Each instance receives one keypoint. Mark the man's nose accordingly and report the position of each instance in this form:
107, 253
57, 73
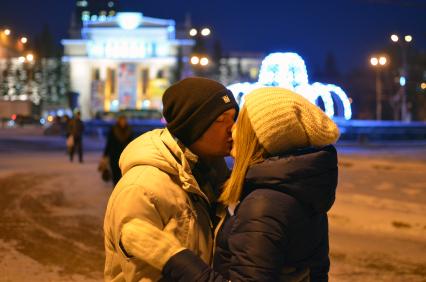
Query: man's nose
231, 126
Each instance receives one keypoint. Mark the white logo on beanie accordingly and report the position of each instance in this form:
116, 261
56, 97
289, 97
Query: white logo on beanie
226, 99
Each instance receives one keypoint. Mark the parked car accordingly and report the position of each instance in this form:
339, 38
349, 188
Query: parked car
21, 120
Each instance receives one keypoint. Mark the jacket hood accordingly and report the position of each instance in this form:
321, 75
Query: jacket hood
147, 150
309, 175
159, 149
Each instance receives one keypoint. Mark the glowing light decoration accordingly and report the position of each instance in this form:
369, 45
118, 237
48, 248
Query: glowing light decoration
129, 20
288, 70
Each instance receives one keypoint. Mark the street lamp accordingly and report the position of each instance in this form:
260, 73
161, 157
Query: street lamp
378, 63
403, 72
203, 61
195, 60
7, 32
24, 40
205, 31
199, 59
30, 57
193, 32
408, 38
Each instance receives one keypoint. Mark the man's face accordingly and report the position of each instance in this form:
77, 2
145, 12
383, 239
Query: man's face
216, 140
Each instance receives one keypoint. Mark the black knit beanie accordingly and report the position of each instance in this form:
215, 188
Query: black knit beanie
191, 105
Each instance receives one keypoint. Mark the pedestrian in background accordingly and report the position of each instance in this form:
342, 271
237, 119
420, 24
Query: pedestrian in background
119, 136
76, 131
281, 187
66, 131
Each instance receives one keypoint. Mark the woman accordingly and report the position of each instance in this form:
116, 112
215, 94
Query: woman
118, 137
282, 185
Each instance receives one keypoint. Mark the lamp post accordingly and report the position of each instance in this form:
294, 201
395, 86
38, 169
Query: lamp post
378, 63
403, 72
199, 59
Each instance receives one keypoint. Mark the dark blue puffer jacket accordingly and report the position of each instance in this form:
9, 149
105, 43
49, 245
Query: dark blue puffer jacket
279, 227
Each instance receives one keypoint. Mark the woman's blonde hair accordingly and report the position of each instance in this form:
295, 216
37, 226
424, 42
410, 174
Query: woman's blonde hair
248, 152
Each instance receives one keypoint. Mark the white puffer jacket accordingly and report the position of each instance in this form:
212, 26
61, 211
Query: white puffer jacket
150, 214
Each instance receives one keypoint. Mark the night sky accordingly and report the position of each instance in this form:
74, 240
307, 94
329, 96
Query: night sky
350, 29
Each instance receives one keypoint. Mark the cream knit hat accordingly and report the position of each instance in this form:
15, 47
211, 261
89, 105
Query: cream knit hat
284, 120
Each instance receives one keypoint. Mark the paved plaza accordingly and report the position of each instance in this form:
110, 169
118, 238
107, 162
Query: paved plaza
52, 211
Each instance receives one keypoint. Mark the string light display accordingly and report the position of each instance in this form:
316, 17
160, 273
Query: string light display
288, 70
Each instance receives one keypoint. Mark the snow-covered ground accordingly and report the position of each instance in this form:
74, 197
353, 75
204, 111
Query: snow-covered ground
52, 211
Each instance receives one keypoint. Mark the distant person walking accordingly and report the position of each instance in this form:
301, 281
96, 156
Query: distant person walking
119, 136
66, 131
76, 131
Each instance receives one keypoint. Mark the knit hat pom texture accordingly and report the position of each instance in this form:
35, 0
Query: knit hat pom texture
191, 105
284, 120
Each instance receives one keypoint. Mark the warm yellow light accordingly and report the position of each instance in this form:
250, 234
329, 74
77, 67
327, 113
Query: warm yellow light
374, 61
408, 38
382, 61
423, 85
193, 32
195, 60
50, 118
205, 31
394, 38
30, 57
24, 40
7, 31
204, 61
21, 59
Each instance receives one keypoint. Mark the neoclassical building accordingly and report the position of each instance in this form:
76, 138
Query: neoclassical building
124, 61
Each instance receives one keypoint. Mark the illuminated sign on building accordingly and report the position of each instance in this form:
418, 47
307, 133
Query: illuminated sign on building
129, 20
127, 48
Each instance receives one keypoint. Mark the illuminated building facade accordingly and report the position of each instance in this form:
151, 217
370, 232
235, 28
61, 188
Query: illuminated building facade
123, 61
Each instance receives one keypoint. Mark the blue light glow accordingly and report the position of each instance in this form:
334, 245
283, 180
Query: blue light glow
288, 70
129, 20
402, 81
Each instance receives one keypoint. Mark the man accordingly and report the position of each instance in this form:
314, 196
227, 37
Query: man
76, 131
165, 198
